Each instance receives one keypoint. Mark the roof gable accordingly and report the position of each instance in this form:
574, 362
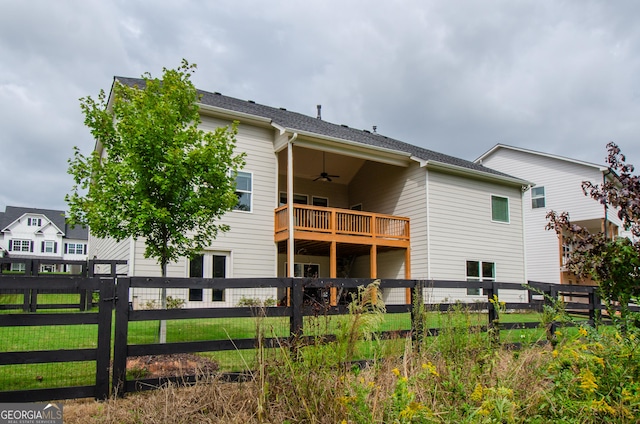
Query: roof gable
499, 147
56, 218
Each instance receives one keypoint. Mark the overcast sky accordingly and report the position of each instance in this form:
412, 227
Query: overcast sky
457, 77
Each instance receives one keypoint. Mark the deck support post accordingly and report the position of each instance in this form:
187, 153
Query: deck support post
333, 272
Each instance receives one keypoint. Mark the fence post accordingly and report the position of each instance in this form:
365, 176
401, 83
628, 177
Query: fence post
105, 308
553, 298
297, 317
594, 307
417, 309
492, 314
120, 341
33, 300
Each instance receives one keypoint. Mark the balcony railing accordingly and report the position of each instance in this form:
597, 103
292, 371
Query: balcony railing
343, 222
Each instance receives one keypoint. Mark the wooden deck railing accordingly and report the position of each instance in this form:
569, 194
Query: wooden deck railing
343, 222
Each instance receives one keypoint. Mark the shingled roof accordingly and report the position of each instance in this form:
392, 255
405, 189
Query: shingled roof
57, 217
299, 122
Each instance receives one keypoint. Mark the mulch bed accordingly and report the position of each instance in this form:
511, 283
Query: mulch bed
176, 365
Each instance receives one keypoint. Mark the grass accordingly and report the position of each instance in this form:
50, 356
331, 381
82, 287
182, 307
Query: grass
16, 339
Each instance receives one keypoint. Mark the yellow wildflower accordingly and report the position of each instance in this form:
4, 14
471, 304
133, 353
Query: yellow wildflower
555, 353
476, 395
558, 333
430, 368
582, 331
588, 381
599, 360
396, 372
602, 406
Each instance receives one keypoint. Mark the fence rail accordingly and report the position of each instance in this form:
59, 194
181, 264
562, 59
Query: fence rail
110, 354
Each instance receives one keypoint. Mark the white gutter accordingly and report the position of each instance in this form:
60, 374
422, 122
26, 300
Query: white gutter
231, 114
480, 174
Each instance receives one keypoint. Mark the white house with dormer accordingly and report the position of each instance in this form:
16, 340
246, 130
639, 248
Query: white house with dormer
29, 233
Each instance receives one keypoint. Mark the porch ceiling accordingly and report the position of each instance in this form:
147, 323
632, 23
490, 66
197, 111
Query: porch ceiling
307, 164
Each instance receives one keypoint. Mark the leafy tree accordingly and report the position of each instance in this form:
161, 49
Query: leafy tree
154, 172
614, 263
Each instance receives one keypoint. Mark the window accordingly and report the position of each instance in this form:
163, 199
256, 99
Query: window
196, 270
537, 197
34, 222
304, 270
480, 271
244, 191
320, 201
207, 266
20, 246
75, 248
500, 209
49, 246
18, 267
301, 199
357, 207
47, 268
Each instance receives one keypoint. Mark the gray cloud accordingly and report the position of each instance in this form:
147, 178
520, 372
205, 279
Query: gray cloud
455, 76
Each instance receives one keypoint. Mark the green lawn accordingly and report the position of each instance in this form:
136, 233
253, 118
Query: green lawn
16, 339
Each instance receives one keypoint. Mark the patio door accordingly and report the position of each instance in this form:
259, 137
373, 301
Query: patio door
208, 265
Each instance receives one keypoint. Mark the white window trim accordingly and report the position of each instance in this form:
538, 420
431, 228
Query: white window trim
251, 192
544, 197
480, 278
508, 221
208, 270
53, 246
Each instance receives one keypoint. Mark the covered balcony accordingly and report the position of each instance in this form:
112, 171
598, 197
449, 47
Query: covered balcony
315, 223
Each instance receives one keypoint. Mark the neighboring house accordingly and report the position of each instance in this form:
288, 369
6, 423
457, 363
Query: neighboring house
326, 200
40, 234
558, 186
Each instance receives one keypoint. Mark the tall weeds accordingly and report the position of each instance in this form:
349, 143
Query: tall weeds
461, 376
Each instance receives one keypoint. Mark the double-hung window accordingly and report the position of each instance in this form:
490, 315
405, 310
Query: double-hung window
75, 248
537, 197
480, 271
244, 191
34, 222
20, 245
49, 246
499, 209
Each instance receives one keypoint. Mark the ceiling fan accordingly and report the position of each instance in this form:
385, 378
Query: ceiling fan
324, 176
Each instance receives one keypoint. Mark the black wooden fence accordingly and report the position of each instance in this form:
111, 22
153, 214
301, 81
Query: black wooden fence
115, 293
32, 267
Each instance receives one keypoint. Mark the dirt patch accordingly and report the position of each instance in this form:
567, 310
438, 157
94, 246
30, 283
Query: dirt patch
153, 366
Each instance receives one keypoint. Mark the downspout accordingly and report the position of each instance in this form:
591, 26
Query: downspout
290, 244
524, 234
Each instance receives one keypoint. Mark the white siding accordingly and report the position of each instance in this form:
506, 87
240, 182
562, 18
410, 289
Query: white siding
461, 229
397, 191
562, 181
108, 248
250, 239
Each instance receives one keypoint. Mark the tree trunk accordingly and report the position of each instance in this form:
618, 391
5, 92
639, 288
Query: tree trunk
162, 331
